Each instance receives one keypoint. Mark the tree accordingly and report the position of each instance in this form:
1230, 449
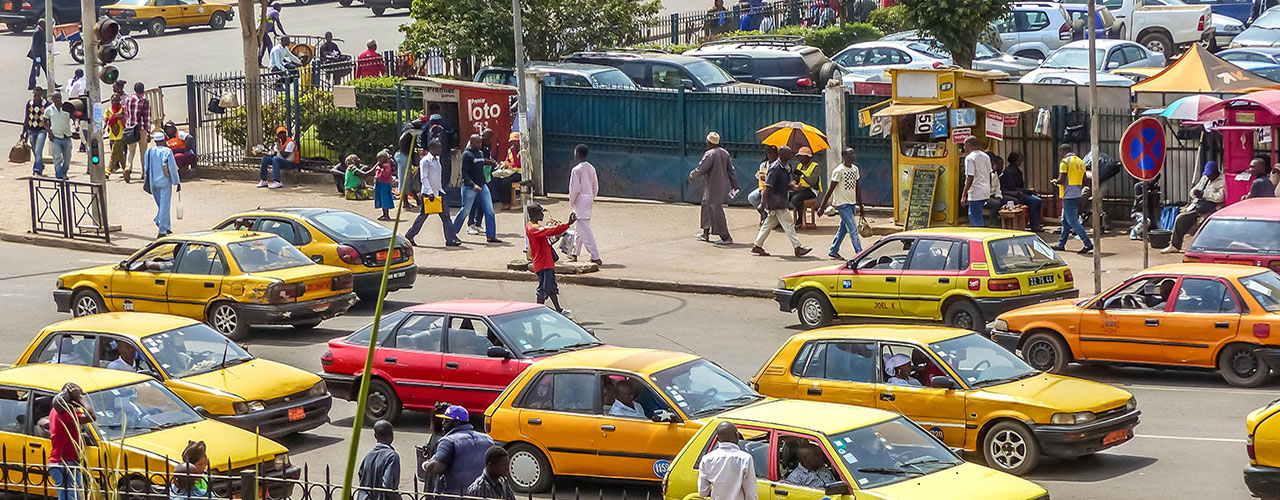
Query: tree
957, 25
463, 29
250, 37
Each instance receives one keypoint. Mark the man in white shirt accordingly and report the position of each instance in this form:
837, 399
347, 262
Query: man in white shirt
624, 403
1207, 195
126, 360
845, 197
727, 472
57, 123
430, 171
75, 85
284, 61
977, 180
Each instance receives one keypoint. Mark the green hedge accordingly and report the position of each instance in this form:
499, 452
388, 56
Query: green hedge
378, 92
362, 132
890, 19
233, 127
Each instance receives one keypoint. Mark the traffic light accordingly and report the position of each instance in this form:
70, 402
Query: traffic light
95, 152
108, 74
78, 107
106, 31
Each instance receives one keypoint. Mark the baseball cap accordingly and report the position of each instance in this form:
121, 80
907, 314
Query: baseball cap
282, 129
454, 412
158, 136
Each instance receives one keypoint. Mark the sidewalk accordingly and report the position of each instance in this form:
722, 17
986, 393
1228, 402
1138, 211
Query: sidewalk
644, 245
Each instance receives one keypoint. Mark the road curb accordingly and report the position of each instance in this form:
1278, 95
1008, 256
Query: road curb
56, 242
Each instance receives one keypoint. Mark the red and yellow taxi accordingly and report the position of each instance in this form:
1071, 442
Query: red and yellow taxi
156, 16
1245, 233
963, 276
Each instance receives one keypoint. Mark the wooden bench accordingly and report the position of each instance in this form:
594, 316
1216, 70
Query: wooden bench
809, 215
515, 197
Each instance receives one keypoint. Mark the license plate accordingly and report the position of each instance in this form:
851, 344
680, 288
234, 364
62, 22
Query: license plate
399, 274
1115, 437
1047, 279
297, 414
317, 285
382, 255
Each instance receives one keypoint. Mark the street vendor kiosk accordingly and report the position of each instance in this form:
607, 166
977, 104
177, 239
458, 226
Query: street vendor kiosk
930, 114
1249, 129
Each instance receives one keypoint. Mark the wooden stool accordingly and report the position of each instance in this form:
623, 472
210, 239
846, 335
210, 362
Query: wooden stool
808, 216
515, 197
1014, 218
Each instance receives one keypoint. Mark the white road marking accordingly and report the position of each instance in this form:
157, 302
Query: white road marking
1212, 390
1186, 438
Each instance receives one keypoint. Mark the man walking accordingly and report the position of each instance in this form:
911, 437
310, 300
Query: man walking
69, 412
719, 179
459, 458
33, 129
543, 257
727, 472
493, 483
845, 194
474, 190
977, 181
160, 170
137, 117
404, 153
777, 184
583, 188
380, 469
1206, 195
475, 219
438, 128
57, 123
1071, 173
269, 27
36, 55
429, 169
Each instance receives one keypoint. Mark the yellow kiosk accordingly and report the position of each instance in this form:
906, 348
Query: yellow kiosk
932, 112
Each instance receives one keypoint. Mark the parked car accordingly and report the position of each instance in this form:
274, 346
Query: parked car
1104, 22
1034, 29
1240, 10
379, 7
1225, 28
661, 70
461, 351
986, 57
1134, 74
1267, 55
1262, 445
1161, 28
1246, 233
781, 61
1077, 77
1264, 32
21, 15
561, 74
867, 61
156, 16
1111, 54
1188, 315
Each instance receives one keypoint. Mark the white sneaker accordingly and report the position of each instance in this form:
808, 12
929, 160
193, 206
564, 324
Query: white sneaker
262, 184
566, 313
472, 230
1170, 249
275, 185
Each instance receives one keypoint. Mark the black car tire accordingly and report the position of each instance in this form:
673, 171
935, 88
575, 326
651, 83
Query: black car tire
226, 319
814, 309
1241, 366
1046, 352
155, 26
378, 11
964, 313
87, 302
217, 21
1160, 40
526, 456
1011, 447
383, 403
18, 27
344, 3
825, 73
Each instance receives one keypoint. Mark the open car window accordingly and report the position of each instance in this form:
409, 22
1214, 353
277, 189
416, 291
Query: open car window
892, 255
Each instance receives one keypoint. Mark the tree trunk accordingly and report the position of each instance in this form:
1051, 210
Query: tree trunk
964, 57
250, 35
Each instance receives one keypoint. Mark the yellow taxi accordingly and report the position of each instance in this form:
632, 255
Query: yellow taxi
1262, 475
197, 363
963, 388
337, 238
963, 276
157, 15
804, 450
609, 412
230, 279
139, 426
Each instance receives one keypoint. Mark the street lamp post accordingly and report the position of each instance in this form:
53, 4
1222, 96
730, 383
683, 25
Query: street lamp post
1096, 198
522, 116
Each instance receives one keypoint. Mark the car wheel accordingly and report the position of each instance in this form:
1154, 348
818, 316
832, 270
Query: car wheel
964, 314
1010, 447
86, 303
1241, 366
530, 469
226, 319
383, 403
344, 3
217, 21
155, 26
17, 27
1046, 352
379, 11
1158, 43
826, 72
310, 325
814, 310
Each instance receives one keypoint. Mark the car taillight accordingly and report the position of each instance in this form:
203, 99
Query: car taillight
407, 251
1261, 330
348, 254
1200, 25
1248, 447
1191, 259
804, 82
937, 65
1274, 266
278, 293
343, 282
28, 6
1067, 276
1064, 32
488, 424
1003, 285
326, 359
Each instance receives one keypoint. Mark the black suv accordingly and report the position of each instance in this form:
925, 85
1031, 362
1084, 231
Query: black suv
657, 69
780, 61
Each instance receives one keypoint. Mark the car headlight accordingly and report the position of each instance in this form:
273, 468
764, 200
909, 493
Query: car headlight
58, 284
1000, 324
782, 284
1072, 418
318, 390
281, 461
1131, 405
243, 407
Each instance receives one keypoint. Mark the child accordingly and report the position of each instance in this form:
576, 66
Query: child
544, 258
353, 185
382, 197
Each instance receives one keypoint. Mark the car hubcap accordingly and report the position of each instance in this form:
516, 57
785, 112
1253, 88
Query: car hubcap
1156, 47
525, 469
964, 320
224, 319
1041, 355
1008, 449
1244, 363
377, 403
812, 311
86, 306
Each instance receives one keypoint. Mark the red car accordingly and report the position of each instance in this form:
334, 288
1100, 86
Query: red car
1245, 233
464, 352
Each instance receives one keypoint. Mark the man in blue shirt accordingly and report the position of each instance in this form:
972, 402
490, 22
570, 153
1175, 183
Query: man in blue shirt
160, 171
459, 458
380, 469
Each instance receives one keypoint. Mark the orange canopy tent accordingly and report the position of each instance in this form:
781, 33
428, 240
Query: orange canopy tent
1199, 71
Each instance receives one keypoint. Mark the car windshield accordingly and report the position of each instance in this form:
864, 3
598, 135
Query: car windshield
1229, 235
891, 452
137, 409
708, 73
349, 226
267, 254
1265, 288
192, 350
541, 331
1022, 253
985, 51
1075, 58
134, 3
700, 388
612, 78
1269, 19
979, 361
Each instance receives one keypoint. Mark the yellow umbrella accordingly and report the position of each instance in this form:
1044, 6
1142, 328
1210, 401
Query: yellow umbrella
794, 135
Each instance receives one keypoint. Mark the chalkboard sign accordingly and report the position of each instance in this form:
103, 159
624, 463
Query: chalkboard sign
920, 200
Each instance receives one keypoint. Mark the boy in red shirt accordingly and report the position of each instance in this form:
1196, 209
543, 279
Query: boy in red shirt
544, 258
70, 410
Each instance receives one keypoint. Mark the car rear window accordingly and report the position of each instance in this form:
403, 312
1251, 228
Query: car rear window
1265, 288
1021, 254
1238, 236
349, 226
613, 78
267, 254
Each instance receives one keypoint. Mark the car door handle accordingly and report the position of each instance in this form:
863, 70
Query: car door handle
159, 282
781, 493
890, 279
34, 445
814, 391
1222, 324
451, 366
887, 396
1153, 322
208, 284
390, 359
607, 427
944, 280
535, 421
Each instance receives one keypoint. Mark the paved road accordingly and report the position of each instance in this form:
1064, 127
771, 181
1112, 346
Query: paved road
1190, 443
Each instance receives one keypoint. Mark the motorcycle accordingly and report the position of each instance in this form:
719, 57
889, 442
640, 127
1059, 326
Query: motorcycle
125, 46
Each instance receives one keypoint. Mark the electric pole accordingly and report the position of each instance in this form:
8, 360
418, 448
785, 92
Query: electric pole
1096, 198
48, 47
92, 134
522, 116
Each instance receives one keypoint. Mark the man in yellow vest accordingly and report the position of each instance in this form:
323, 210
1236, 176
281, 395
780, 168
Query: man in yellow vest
806, 180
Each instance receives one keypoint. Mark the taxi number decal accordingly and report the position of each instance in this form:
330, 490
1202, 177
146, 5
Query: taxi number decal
882, 305
936, 431
846, 283
127, 305
661, 467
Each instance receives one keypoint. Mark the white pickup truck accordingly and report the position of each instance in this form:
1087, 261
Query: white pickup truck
1159, 27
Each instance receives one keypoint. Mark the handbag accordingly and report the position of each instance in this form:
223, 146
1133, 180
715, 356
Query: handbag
864, 227
430, 206
568, 241
146, 175
132, 134
178, 209
20, 152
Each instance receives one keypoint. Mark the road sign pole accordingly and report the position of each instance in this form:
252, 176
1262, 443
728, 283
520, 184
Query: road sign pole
1146, 226
1096, 198
1142, 151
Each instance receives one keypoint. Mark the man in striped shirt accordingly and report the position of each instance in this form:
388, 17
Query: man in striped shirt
137, 113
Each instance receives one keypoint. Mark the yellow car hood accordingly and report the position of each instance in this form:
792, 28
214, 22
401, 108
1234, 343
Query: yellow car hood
256, 379
963, 482
1059, 393
225, 442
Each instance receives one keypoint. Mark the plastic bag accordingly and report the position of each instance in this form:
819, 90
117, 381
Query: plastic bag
178, 209
568, 242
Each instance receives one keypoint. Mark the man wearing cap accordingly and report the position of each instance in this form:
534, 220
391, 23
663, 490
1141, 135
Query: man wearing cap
808, 181
1207, 195
286, 156
719, 179
459, 458
160, 171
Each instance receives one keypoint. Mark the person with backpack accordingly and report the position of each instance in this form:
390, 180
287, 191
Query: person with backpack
404, 154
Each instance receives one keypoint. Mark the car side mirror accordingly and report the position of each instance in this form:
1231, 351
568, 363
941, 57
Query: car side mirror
687, 83
851, 265
942, 382
203, 412
1113, 64
836, 488
665, 416
497, 351
150, 373
124, 264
